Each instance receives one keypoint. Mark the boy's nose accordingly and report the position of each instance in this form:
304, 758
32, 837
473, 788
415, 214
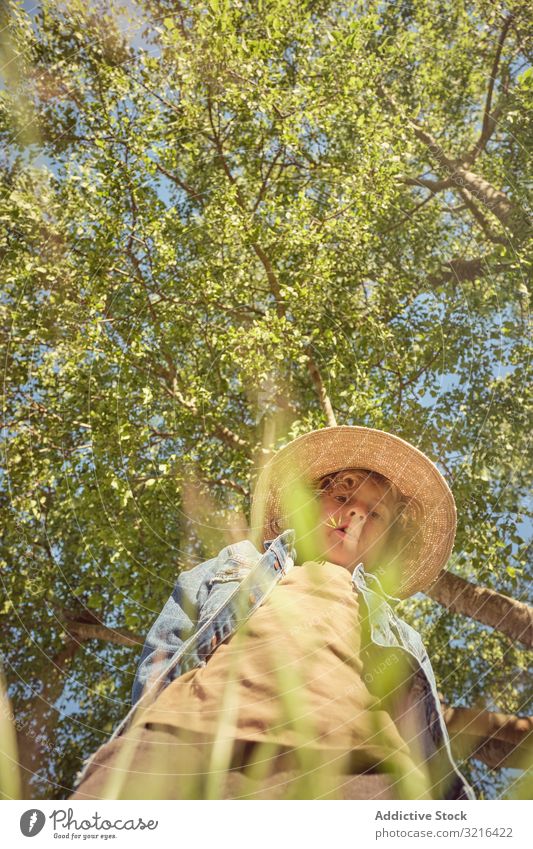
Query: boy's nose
357, 509
356, 512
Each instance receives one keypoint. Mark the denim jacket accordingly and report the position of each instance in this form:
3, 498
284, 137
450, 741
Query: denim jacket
210, 602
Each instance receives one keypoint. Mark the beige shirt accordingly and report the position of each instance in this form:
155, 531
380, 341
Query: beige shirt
291, 673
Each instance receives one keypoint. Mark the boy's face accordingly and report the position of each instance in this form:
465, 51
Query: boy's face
356, 524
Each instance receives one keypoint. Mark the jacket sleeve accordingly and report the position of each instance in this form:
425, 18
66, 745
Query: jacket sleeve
175, 624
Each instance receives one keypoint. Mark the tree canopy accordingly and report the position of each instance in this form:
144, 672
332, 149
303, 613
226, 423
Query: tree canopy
224, 224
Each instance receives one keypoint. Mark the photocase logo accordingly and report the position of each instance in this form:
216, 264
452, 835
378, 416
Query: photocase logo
31, 822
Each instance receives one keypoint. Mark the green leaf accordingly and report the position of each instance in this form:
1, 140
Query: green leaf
95, 600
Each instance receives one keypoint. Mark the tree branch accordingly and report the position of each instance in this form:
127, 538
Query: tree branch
266, 178
468, 200
433, 185
497, 754
193, 193
479, 722
497, 739
321, 390
489, 119
510, 215
466, 270
99, 631
510, 617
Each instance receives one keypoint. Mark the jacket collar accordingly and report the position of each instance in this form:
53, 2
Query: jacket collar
362, 578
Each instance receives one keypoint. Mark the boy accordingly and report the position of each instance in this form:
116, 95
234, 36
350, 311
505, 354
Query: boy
260, 680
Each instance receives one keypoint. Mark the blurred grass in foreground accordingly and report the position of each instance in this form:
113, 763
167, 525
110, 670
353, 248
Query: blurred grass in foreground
10, 781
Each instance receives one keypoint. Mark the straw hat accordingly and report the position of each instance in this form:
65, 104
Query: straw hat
331, 449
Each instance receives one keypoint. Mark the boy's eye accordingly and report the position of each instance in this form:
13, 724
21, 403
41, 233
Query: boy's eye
375, 515
342, 497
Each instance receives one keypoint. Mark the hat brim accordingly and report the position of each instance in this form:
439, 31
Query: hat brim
331, 449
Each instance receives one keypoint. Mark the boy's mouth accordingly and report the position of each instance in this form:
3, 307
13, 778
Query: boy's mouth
344, 531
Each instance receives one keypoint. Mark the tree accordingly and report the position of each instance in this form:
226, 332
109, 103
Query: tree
225, 224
